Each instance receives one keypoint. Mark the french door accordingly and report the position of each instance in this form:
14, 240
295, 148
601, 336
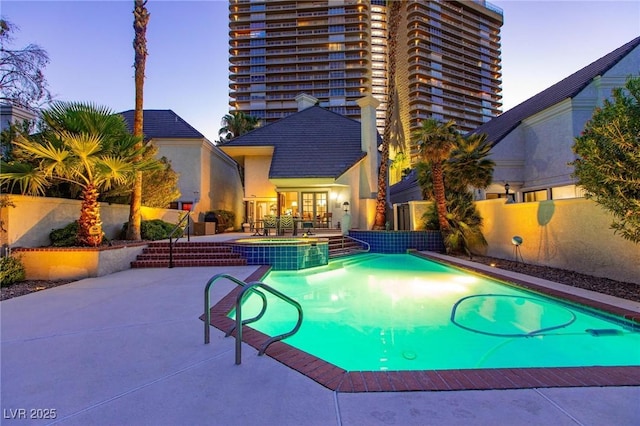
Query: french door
314, 205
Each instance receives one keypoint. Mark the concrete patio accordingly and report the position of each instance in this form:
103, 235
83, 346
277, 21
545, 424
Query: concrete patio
127, 349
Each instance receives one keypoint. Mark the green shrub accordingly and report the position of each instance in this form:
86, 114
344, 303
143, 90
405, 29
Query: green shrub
226, 219
155, 229
11, 270
65, 237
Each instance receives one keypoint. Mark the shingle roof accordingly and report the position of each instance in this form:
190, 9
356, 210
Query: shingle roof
162, 123
497, 128
311, 143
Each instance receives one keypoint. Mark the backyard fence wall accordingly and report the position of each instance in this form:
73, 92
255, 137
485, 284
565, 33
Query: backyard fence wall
572, 234
29, 223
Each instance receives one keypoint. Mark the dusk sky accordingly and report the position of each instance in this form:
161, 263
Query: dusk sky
90, 47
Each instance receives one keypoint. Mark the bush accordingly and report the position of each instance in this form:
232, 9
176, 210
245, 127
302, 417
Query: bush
65, 237
155, 229
11, 271
226, 219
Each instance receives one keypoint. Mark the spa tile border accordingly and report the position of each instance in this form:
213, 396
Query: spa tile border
340, 380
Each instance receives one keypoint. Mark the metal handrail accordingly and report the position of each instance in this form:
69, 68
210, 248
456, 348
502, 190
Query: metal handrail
207, 311
179, 226
273, 339
247, 289
368, 249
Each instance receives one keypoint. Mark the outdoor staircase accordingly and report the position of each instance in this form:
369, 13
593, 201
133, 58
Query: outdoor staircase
340, 246
156, 255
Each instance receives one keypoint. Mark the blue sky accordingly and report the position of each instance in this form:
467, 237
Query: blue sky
90, 47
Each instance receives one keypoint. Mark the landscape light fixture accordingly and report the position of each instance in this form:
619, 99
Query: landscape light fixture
517, 242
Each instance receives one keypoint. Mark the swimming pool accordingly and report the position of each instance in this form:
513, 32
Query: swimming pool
404, 313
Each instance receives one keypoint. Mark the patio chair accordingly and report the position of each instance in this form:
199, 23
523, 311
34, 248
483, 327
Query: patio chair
269, 222
286, 223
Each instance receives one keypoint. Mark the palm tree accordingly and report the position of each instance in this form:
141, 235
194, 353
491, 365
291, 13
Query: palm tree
468, 164
393, 21
235, 124
140, 21
436, 141
80, 144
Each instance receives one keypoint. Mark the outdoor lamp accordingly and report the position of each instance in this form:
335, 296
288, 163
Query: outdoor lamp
506, 188
345, 206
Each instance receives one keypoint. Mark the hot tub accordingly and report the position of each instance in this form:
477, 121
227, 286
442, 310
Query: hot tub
283, 254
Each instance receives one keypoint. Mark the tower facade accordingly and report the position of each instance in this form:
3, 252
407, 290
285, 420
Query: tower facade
281, 48
447, 61
448, 65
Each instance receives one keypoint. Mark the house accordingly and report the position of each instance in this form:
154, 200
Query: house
314, 164
12, 114
532, 142
209, 179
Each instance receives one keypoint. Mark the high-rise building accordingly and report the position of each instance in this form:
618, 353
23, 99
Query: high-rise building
447, 66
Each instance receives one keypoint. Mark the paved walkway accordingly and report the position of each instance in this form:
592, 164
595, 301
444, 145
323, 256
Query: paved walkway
127, 349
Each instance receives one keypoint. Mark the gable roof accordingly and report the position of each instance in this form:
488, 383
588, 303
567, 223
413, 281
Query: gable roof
162, 124
497, 128
312, 143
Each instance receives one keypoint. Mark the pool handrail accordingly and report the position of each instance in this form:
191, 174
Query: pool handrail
254, 319
282, 296
207, 307
247, 289
368, 249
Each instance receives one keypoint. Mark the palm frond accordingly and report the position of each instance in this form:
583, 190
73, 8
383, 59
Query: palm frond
25, 177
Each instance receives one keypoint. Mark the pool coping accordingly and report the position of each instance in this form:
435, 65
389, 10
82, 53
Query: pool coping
340, 380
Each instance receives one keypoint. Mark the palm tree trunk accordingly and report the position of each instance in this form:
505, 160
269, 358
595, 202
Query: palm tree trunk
439, 195
393, 17
89, 224
141, 19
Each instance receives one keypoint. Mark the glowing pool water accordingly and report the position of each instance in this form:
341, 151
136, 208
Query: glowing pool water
401, 312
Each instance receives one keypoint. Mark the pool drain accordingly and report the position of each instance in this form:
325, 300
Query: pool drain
410, 355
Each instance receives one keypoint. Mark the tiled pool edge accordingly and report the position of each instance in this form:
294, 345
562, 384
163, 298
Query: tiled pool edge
340, 380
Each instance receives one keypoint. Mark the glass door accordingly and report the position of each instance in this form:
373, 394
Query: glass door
314, 206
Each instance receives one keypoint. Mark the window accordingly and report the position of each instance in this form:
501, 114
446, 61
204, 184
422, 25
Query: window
568, 191
531, 196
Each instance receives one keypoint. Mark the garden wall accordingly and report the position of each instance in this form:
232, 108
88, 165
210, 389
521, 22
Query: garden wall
29, 223
571, 234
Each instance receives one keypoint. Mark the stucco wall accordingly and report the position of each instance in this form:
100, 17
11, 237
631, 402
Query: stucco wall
205, 169
256, 178
546, 164
29, 223
76, 264
569, 234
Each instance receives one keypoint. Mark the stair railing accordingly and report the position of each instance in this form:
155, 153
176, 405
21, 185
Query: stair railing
179, 227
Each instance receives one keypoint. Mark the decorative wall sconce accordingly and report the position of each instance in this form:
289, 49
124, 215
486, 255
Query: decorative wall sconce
345, 206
